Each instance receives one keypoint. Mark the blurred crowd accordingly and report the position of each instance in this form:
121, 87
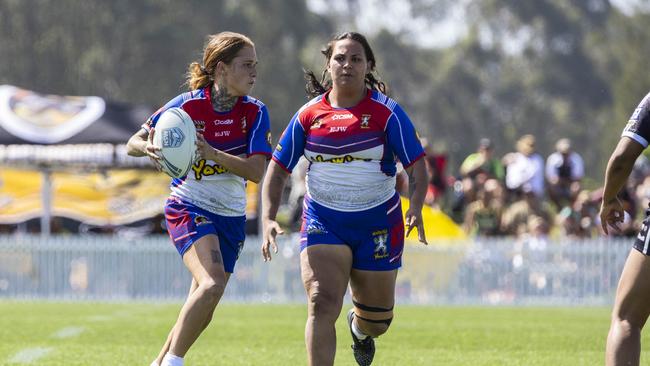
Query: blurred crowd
525, 194
521, 194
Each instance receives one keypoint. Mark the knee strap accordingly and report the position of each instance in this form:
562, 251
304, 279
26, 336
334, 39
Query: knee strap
373, 309
381, 321
365, 309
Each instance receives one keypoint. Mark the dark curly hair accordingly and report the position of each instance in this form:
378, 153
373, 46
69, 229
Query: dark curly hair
315, 87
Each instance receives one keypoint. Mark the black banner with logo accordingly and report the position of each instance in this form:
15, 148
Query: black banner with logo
60, 130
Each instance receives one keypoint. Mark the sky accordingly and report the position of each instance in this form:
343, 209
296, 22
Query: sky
426, 33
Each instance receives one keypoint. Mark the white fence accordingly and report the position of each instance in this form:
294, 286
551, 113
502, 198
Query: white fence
505, 271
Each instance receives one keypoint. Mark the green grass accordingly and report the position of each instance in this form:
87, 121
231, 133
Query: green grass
131, 334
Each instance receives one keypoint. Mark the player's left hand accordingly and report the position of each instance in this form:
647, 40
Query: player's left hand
414, 220
203, 149
270, 229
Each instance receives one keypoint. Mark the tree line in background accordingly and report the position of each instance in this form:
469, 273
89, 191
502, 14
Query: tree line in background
551, 68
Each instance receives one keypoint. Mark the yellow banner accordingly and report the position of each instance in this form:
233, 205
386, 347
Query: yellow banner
437, 225
112, 198
115, 197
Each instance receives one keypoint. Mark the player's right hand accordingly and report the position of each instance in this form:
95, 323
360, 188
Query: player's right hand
270, 229
152, 152
611, 215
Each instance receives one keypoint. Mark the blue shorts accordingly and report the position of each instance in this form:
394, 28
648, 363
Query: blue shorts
375, 236
187, 223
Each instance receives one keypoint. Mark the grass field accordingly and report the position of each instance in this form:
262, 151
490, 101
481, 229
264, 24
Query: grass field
45, 333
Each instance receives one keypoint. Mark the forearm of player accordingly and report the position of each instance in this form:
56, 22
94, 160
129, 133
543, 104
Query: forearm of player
137, 144
417, 174
250, 168
272, 188
619, 167
615, 177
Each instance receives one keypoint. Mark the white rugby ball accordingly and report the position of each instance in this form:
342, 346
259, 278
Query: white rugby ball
175, 135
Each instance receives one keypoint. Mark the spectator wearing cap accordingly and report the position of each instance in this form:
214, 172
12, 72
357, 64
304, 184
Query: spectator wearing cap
525, 168
482, 162
564, 172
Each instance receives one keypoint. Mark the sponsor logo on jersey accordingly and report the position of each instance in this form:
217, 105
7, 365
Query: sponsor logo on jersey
199, 125
337, 117
218, 122
268, 138
631, 126
338, 128
202, 169
243, 124
278, 148
381, 243
365, 120
337, 159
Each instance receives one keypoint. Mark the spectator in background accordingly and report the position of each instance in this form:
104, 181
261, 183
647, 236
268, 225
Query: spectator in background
564, 171
643, 193
578, 219
640, 170
483, 216
482, 162
436, 162
516, 217
525, 168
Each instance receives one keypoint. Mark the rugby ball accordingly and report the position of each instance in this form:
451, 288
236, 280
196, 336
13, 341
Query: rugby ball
175, 135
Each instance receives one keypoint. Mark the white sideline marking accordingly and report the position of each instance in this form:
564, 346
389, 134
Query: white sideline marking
29, 355
68, 332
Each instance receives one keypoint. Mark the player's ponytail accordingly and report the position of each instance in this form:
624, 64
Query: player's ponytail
198, 76
314, 87
375, 84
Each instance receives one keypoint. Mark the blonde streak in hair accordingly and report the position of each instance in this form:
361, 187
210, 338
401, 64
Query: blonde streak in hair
196, 78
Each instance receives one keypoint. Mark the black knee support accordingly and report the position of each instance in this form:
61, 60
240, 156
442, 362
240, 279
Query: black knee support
374, 310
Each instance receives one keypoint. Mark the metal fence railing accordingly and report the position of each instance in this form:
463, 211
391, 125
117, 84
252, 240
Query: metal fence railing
481, 271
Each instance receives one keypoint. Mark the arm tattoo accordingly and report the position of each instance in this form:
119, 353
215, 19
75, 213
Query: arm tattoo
221, 100
216, 256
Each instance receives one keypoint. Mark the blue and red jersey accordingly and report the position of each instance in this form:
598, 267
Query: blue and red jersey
352, 151
242, 131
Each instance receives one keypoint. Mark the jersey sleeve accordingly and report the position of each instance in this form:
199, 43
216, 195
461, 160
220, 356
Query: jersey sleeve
291, 145
402, 138
259, 138
151, 121
638, 127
